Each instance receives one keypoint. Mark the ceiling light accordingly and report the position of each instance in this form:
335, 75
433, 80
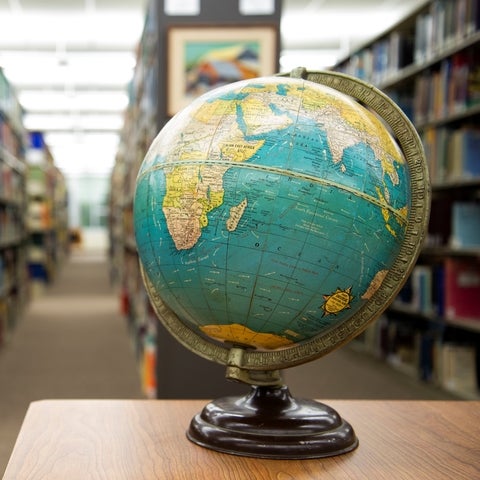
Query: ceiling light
47, 122
24, 74
72, 139
77, 28
78, 101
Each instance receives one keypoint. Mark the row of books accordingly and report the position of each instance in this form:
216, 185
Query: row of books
465, 225
426, 353
452, 88
449, 289
456, 368
141, 320
452, 154
11, 225
11, 181
12, 287
382, 60
454, 225
3, 321
9, 104
11, 301
11, 175
46, 215
4, 272
9, 138
143, 88
8, 270
39, 215
443, 24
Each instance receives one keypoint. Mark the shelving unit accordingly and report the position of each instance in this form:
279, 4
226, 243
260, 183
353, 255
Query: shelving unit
429, 63
13, 273
165, 365
47, 215
139, 130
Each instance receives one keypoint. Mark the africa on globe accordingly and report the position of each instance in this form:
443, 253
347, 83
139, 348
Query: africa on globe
270, 211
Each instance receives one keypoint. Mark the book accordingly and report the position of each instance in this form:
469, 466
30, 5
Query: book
400, 50
422, 289
470, 146
457, 369
427, 342
421, 98
438, 289
458, 84
462, 288
423, 37
435, 143
463, 160
465, 225
439, 225
380, 61
472, 16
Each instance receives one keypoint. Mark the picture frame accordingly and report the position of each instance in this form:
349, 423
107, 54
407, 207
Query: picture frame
201, 58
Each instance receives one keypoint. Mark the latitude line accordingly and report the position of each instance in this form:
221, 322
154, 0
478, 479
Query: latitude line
280, 171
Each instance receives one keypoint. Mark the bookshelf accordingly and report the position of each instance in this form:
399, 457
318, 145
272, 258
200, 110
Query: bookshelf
47, 214
13, 276
139, 130
429, 63
163, 363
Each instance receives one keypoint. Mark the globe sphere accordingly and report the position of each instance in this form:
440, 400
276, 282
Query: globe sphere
269, 212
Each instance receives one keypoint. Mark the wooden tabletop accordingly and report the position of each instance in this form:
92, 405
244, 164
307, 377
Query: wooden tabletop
145, 439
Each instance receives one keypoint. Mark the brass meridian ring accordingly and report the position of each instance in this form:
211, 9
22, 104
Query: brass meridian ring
338, 335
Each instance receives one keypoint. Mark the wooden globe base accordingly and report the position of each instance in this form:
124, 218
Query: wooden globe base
269, 423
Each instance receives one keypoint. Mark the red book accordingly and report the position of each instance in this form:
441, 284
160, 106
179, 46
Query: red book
462, 288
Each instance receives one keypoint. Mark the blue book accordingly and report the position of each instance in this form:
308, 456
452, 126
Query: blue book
427, 342
471, 152
465, 225
438, 289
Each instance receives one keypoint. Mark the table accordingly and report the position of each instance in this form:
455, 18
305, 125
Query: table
145, 439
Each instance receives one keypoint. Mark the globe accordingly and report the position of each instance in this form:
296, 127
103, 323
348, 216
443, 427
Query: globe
276, 217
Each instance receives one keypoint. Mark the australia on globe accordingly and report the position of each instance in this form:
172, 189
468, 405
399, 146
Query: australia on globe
269, 211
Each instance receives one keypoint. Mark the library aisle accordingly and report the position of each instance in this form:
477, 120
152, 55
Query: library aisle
72, 342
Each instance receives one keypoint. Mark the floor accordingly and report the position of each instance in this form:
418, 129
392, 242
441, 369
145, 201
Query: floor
73, 343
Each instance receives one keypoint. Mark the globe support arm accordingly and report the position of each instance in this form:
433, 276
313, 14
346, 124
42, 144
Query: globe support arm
235, 371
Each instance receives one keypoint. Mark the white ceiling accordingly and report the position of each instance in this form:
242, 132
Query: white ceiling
70, 61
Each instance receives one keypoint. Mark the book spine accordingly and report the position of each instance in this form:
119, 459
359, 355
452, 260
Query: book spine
462, 289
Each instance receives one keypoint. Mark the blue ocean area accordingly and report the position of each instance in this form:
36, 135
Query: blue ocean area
310, 228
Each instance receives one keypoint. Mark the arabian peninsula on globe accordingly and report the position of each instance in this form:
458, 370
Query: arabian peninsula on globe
269, 211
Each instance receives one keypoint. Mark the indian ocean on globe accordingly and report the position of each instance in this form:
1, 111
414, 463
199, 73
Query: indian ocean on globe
275, 218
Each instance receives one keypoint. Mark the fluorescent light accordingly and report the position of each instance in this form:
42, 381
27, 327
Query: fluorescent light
91, 156
78, 101
64, 64
72, 139
45, 122
37, 59
79, 28
80, 152
49, 75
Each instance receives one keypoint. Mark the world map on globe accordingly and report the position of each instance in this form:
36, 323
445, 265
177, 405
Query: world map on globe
269, 211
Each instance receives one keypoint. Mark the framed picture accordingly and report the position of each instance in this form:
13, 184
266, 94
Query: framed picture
201, 58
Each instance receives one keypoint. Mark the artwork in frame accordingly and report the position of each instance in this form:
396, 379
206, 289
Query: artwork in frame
201, 58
